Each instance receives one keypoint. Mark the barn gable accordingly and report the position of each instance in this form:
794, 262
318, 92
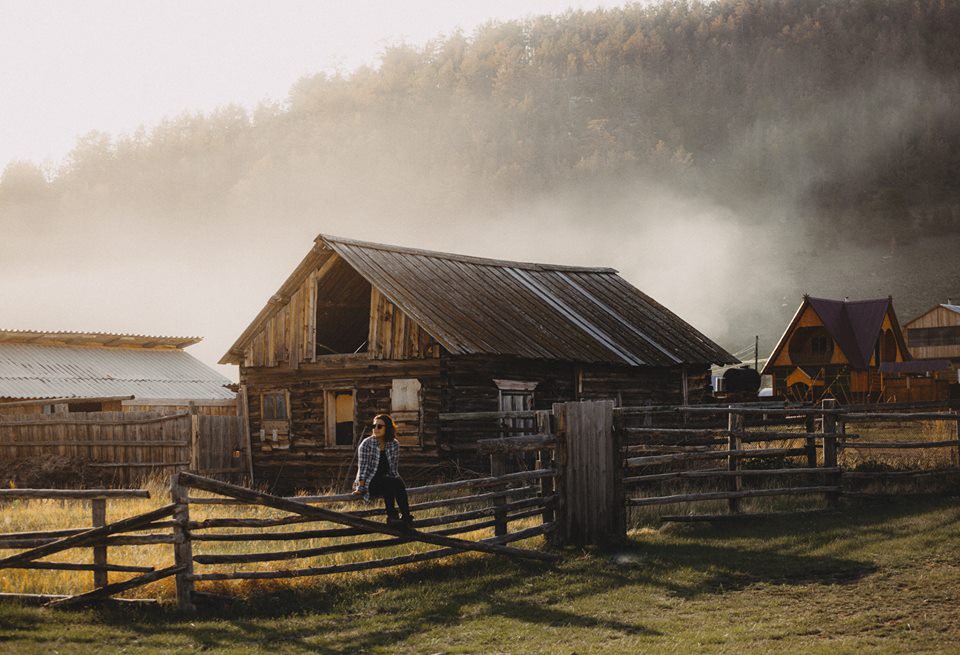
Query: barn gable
474, 306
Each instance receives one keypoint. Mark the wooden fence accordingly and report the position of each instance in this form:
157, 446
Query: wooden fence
765, 463
128, 446
586, 457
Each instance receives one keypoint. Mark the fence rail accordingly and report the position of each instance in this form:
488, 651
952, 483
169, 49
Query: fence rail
687, 448
581, 457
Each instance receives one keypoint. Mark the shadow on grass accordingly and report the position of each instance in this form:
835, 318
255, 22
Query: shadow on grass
584, 591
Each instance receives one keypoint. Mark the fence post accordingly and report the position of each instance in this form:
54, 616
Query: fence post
243, 411
182, 548
194, 438
956, 427
830, 448
99, 519
735, 427
547, 487
591, 473
810, 425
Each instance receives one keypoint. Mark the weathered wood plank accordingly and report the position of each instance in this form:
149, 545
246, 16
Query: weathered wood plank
276, 502
725, 495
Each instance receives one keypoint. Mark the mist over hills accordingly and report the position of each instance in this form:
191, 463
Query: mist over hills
726, 156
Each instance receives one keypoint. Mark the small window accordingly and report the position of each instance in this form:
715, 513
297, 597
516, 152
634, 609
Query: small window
275, 406
275, 412
811, 345
339, 410
516, 396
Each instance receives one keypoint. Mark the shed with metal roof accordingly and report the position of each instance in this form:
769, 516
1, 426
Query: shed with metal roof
360, 328
106, 372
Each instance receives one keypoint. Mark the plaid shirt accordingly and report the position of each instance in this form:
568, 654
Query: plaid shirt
368, 459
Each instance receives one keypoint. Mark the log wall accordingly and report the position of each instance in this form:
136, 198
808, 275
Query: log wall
303, 459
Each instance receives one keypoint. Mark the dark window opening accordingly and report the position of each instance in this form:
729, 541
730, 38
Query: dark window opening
85, 407
275, 406
937, 336
343, 312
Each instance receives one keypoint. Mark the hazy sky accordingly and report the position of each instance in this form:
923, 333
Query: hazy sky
70, 67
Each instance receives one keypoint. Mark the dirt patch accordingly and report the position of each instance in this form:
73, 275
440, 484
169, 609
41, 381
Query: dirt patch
52, 472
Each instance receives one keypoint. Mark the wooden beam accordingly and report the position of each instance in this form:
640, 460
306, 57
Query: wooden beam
259, 498
6, 494
57, 401
115, 588
88, 536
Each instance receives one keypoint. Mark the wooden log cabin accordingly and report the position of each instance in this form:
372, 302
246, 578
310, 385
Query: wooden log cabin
51, 372
360, 328
835, 349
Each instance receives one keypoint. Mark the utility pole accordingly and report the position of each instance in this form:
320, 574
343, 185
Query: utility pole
756, 353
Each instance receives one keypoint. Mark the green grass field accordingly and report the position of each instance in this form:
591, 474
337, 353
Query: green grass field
870, 578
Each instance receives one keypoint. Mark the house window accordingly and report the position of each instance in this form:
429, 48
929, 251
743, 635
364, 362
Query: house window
811, 345
405, 410
516, 396
339, 410
936, 336
275, 411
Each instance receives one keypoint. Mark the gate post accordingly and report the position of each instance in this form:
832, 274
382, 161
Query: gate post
182, 547
590, 462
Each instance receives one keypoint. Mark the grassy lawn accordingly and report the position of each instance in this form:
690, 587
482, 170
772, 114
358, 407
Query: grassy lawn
871, 578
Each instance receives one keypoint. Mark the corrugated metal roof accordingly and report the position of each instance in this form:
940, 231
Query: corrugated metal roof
111, 339
952, 308
31, 371
484, 306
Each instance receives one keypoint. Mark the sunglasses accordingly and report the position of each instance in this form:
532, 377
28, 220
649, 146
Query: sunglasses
378, 426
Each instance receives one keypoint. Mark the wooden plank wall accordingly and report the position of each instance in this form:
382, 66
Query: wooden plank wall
131, 444
394, 335
287, 338
938, 317
221, 448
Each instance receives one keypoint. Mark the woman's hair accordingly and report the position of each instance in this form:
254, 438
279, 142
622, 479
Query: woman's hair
390, 432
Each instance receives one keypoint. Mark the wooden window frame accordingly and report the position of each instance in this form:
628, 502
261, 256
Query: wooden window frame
400, 414
521, 388
268, 425
330, 417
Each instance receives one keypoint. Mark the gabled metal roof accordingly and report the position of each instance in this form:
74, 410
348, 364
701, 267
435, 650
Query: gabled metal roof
36, 371
473, 305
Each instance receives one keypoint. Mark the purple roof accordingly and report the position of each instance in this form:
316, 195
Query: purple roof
854, 324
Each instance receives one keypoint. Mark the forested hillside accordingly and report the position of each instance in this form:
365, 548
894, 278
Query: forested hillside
848, 107
833, 118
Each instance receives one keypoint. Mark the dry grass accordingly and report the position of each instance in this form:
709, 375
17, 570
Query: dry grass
37, 515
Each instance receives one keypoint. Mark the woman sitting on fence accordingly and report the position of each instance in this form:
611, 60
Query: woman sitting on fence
378, 456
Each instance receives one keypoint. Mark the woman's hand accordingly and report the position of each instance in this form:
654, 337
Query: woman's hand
359, 489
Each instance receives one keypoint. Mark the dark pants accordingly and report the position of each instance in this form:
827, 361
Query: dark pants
393, 491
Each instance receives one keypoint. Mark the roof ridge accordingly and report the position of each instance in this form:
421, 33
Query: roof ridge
470, 259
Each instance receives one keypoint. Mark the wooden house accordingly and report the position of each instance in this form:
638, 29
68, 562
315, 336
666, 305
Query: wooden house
935, 334
835, 349
47, 372
360, 328
934, 342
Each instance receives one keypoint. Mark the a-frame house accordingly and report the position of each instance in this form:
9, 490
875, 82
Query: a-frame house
835, 349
